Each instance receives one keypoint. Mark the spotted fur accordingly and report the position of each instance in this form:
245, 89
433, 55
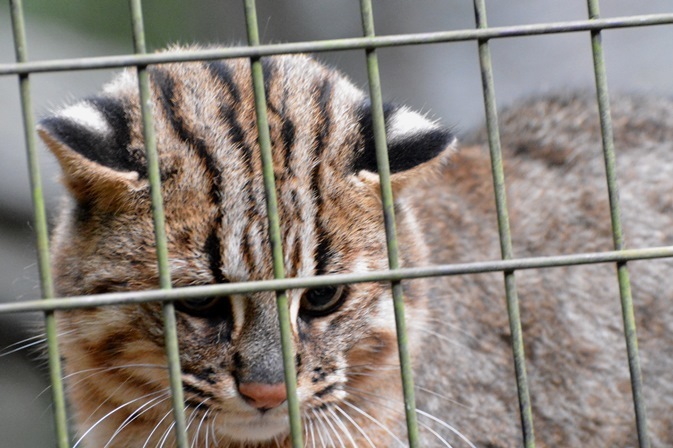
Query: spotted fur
331, 222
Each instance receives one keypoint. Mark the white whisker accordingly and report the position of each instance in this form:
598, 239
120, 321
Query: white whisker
444, 397
375, 421
28, 342
305, 423
198, 428
436, 434
109, 397
445, 338
165, 435
382, 400
334, 431
310, 428
320, 431
417, 387
341, 424
366, 374
216, 440
137, 414
444, 323
356, 425
91, 428
377, 367
149, 437
422, 389
193, 415
447, 426
6, 351
112, 368
208, 427
97, 371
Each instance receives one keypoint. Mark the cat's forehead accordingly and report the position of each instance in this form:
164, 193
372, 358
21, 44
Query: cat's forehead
208, 117
204, 114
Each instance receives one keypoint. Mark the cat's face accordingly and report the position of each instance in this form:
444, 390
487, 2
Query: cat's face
216, 225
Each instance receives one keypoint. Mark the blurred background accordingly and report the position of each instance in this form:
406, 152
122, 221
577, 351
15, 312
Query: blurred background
441, 79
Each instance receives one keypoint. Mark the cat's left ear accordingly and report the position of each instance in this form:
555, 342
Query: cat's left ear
90, 140
416, 144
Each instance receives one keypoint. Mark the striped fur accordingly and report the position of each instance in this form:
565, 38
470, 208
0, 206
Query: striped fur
331, 222
216, 222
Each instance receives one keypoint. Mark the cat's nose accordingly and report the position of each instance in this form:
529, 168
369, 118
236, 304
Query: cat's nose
263, 396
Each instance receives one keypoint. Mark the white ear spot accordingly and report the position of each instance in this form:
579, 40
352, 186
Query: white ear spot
88, 116
124, 81
405, 123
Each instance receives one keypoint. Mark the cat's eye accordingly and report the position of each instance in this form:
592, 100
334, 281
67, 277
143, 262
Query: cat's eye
204, 307
322, 301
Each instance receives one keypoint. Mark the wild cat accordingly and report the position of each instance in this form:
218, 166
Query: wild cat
331, 222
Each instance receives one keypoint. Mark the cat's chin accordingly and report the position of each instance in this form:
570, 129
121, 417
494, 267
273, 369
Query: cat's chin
255, 429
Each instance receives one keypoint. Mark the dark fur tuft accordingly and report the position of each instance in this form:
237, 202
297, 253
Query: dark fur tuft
404, 151
107, 149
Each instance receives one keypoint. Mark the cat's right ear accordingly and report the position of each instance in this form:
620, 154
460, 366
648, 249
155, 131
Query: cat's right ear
90, 140
417, 146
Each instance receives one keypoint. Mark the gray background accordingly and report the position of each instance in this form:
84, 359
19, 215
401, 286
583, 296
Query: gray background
441, 79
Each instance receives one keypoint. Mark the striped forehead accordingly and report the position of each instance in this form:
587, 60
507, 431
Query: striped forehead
211, 112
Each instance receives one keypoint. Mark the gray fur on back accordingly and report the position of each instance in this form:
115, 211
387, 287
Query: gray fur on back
571, 316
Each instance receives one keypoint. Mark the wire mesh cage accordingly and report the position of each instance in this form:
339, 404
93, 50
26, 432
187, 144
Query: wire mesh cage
594, 26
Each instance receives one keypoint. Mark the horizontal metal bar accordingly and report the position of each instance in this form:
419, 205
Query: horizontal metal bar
194, 292
106, 62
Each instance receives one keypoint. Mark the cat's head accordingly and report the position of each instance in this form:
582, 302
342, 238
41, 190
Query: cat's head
216, 224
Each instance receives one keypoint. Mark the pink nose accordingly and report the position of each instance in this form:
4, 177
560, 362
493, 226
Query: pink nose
263, 396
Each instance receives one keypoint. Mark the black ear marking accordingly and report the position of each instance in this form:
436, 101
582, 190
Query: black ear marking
412, 139
366, 160
98, 129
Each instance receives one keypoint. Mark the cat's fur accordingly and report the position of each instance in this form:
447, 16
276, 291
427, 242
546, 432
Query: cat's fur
331, 222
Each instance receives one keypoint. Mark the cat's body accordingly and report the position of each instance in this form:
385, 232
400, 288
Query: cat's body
571, 316
331, 221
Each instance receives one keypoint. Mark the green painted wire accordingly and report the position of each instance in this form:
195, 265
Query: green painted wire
596, 24
168, 308
102, 62
42, 233
503, 229
228, 289
383, 167
626, 298
282, 302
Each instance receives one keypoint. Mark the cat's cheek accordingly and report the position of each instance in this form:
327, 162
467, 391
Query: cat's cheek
383, 315
380, 346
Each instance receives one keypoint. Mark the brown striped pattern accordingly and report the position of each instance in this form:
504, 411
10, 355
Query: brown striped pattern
217, 232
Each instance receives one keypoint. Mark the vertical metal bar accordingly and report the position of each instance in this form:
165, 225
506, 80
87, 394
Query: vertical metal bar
383, 167
41, 230
264, 139
628, 315
503, 228
168, 309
